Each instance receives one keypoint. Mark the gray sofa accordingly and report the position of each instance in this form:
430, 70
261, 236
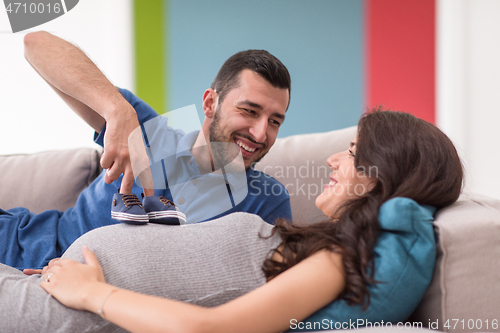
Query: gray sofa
464, 294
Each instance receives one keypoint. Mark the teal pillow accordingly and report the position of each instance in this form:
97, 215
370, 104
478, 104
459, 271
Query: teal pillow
405, 254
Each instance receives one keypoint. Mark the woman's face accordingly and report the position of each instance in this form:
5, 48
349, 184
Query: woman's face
346, 182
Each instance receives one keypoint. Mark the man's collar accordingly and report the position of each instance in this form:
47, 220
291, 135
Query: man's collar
185, 144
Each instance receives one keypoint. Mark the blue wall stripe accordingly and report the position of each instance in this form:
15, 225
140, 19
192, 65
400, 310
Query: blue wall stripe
321, 43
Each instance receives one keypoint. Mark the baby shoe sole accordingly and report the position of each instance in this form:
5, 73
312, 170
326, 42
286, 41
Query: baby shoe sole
130, 218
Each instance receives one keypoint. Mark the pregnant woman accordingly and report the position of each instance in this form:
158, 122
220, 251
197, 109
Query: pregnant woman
238, 273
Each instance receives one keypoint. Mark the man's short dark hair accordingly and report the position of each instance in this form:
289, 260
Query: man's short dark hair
259, 61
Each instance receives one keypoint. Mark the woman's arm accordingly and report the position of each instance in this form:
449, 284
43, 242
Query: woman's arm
294, 294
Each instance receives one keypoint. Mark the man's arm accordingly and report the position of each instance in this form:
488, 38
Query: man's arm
78, 81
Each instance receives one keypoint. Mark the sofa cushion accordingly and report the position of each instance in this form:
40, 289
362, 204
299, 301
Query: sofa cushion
404, 256
299, 163
47, 180
465, 285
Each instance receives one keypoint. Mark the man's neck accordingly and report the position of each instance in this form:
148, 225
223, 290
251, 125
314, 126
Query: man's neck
202, 154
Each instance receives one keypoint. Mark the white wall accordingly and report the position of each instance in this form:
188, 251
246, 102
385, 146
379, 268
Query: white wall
32, 117
468, 86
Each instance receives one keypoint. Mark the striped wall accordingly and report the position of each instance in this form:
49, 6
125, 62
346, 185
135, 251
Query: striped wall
320, 42
432, 58
343, 55
400, 57
150, 29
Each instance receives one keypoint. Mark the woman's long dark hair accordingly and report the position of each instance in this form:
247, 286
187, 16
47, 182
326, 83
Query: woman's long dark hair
413, 159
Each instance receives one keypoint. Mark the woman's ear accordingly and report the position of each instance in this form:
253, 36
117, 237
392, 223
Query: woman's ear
373, 182
210, 98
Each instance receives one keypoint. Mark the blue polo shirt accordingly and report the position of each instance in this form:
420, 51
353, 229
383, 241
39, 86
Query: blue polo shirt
31, 240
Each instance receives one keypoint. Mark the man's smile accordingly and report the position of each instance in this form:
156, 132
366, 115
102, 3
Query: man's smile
248, 148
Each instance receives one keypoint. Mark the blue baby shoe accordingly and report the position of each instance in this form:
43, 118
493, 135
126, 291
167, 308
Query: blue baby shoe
127, 208
162, 210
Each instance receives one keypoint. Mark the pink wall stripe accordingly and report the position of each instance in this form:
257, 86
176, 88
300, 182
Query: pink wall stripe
400, 56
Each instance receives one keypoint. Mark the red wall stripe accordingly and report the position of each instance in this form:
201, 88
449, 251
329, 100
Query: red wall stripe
400, 56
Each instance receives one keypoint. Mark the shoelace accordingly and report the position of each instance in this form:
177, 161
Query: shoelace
166, 202
131, 200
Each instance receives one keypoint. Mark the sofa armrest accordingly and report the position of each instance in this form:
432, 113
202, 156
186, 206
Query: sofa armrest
465, 285
47, 180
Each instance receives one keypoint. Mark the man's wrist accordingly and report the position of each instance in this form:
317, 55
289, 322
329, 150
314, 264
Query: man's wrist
121, 111
113, 106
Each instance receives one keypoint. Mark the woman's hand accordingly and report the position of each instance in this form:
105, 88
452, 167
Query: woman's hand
31, 271
71, 282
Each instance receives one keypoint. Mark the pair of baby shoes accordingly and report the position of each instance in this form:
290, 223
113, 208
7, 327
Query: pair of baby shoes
127, 208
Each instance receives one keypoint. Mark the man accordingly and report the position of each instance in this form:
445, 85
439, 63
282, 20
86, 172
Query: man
245, 106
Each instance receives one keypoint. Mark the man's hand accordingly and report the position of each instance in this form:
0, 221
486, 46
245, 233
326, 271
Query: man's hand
116, 156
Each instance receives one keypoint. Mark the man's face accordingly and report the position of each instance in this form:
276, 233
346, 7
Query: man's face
249, 116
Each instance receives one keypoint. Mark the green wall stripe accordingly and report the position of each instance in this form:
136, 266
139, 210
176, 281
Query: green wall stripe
150, 55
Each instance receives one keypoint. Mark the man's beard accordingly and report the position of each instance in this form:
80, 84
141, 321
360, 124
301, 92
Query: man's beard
224, 151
